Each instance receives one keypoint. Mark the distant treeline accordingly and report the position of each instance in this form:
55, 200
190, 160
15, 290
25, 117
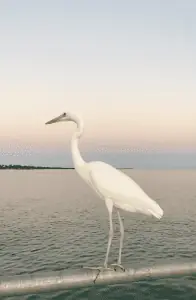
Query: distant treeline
21, 167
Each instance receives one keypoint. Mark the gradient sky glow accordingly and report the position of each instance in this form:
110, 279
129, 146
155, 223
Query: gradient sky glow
128, 67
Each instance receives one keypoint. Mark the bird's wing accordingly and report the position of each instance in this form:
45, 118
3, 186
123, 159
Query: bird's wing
112, 182
125, 192
95, 185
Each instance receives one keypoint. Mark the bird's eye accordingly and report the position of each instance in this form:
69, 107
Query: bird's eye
64, 114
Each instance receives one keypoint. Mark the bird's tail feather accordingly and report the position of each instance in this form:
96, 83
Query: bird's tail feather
156, 210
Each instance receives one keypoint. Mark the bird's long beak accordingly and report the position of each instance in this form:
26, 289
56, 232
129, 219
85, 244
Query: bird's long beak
55, 120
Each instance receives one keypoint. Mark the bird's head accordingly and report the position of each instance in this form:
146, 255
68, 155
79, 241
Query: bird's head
62, 118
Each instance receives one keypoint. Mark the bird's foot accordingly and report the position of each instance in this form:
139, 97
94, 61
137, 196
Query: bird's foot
118, 265
99, 269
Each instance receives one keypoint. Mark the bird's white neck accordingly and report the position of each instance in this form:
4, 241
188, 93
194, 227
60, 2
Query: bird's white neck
76, 156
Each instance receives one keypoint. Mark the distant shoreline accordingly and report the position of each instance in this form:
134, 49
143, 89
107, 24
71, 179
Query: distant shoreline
21, 167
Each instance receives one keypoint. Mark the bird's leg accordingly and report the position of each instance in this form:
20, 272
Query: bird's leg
121, 244
121, 237
109, 204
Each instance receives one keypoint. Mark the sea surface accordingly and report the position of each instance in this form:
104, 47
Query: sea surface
51, 220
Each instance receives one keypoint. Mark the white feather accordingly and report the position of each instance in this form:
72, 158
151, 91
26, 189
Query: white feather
125, 192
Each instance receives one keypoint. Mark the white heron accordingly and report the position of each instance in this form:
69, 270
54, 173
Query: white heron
113, 186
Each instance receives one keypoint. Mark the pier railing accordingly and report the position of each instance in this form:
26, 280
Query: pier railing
64, 280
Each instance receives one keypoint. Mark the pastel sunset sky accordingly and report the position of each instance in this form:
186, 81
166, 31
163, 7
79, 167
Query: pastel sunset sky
127, 67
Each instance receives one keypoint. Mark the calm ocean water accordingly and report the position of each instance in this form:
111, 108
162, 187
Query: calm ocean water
51, 220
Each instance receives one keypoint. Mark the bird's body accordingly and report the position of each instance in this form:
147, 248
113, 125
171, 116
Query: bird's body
111, 185
125, 193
